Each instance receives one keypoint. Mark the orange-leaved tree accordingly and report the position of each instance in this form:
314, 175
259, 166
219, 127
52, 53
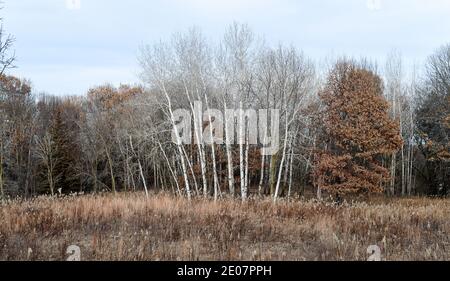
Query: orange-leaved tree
357, 132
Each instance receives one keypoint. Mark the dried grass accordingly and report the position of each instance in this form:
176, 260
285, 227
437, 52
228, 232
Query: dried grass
131, 227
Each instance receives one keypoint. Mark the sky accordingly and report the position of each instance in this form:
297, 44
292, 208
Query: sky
66, 47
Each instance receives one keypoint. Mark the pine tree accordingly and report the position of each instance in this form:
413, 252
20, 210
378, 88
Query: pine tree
357, 132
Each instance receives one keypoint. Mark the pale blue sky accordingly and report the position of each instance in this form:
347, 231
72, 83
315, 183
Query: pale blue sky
66, 51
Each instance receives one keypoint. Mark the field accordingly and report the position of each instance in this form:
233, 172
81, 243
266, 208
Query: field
130, 227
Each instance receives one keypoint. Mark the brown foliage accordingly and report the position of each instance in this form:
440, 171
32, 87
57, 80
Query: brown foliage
109, 97
14, 85
357, 131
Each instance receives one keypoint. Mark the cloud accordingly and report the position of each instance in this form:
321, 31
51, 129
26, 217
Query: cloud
73, 4
86, 46
374, 5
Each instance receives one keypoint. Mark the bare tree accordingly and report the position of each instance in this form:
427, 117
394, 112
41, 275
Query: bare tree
7, 56
393, 76
46, 152
159, 68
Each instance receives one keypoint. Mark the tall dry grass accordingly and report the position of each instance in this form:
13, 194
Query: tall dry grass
131, 227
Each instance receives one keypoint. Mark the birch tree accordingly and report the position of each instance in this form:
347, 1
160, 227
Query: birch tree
158, 68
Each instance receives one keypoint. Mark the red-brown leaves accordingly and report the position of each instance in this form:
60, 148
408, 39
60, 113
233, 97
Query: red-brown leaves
357, 131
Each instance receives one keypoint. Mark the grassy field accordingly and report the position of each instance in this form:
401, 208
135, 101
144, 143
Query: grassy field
131, 227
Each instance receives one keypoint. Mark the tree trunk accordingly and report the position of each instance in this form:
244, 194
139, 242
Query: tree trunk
179, 146
2, 192
140, 167
241, 153
246, 159
111, 170
273, 173
393, 172
170, 169
261, 179
291, 164
283, 158
213, 153
228, 147
192, 172
94, 174
197, 113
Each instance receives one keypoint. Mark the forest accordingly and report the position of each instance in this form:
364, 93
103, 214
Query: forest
356, 126
228, 149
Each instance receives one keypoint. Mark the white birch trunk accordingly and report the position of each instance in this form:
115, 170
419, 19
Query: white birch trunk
140, 168
170, 169
283, 158
291, 164
199, 140
241, 152
246, 158
228, 147
213, 153
179, 146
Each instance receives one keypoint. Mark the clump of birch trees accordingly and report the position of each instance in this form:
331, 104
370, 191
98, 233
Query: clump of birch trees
236, 118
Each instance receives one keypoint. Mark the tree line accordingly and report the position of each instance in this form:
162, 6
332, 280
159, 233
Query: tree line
350, 127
